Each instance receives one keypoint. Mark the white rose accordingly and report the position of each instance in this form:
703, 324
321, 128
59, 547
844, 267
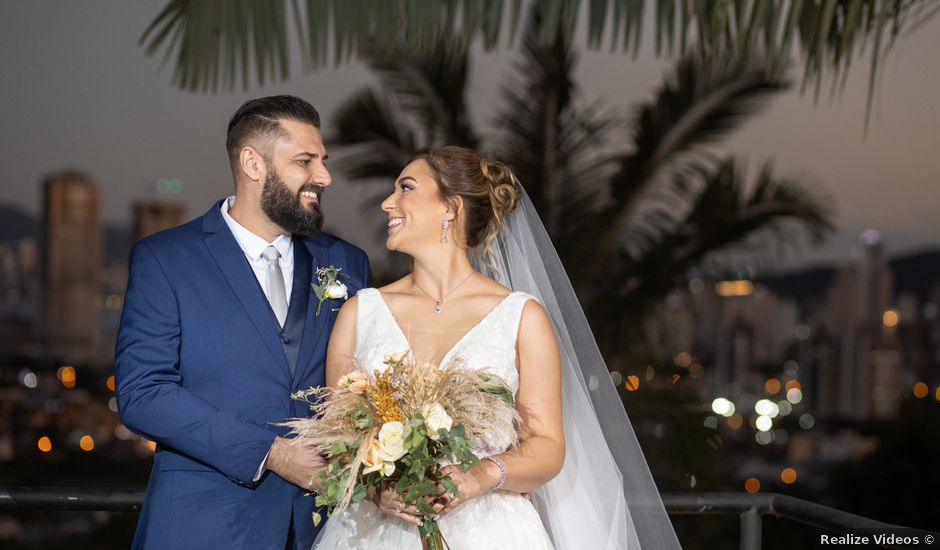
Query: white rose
436, 418
391, 441
337, 291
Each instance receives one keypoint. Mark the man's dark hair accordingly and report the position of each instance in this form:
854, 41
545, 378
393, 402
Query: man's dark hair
257, 122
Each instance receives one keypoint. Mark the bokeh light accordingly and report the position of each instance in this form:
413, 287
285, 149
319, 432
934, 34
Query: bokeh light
807, 421
772, 386
764, 423
67, 376
87, 443
795, 395
920, 390
110, 383
723, 406
735, 421
44, 444
752, 485
788, 476
766, 407
891, 318
632, 383
683, 359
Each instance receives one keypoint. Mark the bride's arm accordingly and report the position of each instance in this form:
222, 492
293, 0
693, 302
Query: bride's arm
541, 452
342, 346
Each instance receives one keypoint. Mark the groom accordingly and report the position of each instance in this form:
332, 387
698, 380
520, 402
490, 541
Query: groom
220, 327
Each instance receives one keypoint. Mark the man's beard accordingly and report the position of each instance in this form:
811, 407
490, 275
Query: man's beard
284, 208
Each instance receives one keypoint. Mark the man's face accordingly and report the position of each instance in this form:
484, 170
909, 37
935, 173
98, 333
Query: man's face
296, 178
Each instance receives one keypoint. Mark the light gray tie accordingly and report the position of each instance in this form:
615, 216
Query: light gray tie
277, 294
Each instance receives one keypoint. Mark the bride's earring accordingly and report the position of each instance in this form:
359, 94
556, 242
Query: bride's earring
444, 225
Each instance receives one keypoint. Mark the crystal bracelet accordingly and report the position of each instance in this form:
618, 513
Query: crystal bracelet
502, 471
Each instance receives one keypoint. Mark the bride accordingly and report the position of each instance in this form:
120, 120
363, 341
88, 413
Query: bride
487, 288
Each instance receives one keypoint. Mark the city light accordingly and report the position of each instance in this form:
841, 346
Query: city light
632, 383
764, 423
772, 386
87, 443
807, 421
615, 377
920, 390
891, 318
794, 395
752, 485
66, 375
28, 378
723, 406
44, 444
110, 383
788, 476
766, 407
734, 288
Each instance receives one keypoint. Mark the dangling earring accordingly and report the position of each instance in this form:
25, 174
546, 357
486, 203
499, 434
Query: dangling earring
444, 225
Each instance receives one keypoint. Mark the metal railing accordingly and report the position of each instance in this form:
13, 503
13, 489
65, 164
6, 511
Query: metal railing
750, 508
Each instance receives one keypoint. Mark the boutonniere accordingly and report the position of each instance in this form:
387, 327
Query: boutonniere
328, 286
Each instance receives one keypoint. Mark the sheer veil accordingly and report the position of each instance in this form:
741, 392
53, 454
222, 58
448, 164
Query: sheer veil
604, 497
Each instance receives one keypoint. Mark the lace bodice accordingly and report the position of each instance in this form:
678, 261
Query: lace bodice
490, 345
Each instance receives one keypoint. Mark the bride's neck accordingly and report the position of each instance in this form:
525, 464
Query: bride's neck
440, 275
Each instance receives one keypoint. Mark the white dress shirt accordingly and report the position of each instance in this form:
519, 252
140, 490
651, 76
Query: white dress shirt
253, 246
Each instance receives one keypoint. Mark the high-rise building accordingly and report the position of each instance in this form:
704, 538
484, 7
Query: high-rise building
71, 266
155, 215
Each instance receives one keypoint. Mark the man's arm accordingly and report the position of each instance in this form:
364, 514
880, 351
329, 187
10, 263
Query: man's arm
151, 399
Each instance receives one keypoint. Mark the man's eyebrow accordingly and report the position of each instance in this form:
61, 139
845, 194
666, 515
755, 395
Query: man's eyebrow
311, 155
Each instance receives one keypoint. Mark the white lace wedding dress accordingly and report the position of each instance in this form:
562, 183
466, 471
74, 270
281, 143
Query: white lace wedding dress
502, 520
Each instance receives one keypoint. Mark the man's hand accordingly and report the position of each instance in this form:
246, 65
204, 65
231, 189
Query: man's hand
298, 464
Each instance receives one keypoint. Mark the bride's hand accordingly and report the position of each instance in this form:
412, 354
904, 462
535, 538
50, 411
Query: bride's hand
390, 502
476, 481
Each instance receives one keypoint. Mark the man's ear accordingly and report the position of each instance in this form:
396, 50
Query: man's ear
252, 163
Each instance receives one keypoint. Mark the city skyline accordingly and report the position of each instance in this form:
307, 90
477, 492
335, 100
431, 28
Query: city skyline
109, 110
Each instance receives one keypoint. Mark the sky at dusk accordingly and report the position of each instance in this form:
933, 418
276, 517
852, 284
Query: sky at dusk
78, 92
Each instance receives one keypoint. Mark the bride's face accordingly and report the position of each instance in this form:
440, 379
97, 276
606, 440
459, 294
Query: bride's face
415, 210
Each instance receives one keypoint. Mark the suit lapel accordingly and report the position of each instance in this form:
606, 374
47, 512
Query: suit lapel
234, 266
316, 326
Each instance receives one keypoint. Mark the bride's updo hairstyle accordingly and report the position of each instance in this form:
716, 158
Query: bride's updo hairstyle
489, 191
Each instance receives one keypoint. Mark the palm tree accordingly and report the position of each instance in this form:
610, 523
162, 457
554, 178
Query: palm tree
219, 42
652, 211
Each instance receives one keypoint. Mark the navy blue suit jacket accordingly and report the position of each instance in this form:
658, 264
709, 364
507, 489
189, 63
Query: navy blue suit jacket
203, 369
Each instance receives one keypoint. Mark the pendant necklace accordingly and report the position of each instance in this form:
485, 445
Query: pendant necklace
437, 302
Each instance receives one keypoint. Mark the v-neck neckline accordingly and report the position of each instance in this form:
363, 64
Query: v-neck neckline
459, 341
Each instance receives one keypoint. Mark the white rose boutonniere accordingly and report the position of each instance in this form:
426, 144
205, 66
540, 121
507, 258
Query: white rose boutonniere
328, 286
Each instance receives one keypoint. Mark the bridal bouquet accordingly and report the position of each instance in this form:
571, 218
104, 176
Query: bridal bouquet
397, 427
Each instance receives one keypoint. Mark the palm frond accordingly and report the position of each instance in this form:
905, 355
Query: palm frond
432, 86
222, 39
373, 140
703, 100
552, 143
